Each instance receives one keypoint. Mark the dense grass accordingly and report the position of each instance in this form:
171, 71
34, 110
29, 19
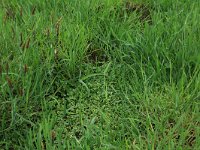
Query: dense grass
95, 74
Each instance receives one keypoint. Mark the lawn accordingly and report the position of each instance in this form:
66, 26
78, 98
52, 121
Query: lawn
99, 74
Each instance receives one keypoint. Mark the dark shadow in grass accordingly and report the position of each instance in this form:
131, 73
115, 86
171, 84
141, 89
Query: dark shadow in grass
96, 55
142, 10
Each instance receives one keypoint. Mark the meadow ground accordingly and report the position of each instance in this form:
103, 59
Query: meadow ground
99, 74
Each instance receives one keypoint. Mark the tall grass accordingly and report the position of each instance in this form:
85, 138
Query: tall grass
97, 75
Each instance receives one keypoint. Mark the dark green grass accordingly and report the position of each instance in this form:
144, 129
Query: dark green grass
94, 75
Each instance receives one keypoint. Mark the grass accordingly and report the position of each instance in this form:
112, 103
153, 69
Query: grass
99, 74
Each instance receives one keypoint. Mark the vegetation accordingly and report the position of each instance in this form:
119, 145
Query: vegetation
99, 74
